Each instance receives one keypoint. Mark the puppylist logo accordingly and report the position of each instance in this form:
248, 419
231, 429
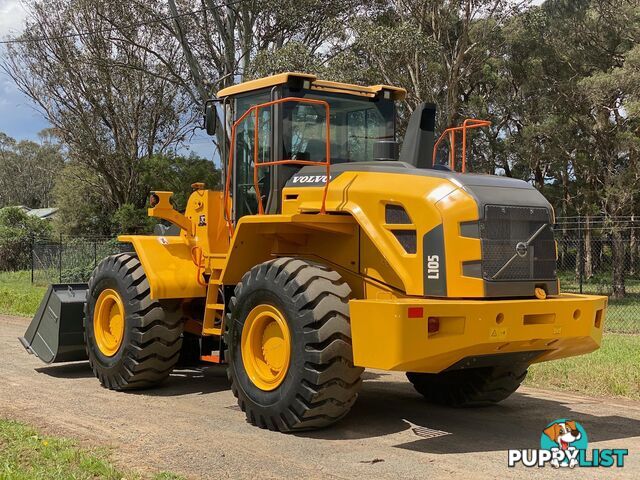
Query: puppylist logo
563, 443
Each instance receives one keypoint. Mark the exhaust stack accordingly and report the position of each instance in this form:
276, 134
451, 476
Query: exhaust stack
417, 148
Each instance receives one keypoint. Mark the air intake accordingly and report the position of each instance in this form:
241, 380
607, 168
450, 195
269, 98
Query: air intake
407, 239
396, 215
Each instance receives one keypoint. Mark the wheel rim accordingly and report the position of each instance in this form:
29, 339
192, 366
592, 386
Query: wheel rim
108, 322
266, 347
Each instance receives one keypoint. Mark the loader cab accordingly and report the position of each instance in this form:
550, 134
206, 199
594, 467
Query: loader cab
359, 117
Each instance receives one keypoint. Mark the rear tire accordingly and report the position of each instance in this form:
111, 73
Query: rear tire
320, 384
473, 387
152, 336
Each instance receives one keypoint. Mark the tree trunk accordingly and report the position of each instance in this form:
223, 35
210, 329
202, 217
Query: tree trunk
619, 264
633, 248
596, 259
588, 252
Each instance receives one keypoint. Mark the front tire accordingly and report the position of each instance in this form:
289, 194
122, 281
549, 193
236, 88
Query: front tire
473, 387
131, 340
302, 375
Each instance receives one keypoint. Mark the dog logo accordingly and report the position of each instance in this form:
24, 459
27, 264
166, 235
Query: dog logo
563, 443
567, 436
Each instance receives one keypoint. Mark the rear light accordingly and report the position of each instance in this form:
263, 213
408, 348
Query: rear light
415, 312
433, 324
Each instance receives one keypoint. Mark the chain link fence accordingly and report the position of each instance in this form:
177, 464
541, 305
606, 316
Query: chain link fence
69, 259
601, 255
596, 255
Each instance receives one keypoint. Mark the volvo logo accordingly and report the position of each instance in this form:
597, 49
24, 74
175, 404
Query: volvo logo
522, 249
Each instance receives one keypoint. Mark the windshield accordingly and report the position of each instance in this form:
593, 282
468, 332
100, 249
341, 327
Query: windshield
356, 124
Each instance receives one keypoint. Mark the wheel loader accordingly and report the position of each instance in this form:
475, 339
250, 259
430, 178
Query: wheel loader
331, 249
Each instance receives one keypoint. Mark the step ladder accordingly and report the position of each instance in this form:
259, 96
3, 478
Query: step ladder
213, 322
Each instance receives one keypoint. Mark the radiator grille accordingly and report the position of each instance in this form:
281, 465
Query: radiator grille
505, 253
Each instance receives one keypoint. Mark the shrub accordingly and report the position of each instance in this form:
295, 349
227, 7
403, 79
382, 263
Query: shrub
17, 232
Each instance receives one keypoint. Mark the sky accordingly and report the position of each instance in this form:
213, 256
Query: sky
18, 118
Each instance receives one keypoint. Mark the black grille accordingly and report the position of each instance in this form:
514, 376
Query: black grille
407, 239
396, 215
505, 232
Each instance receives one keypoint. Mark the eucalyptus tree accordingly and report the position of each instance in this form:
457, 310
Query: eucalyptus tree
94, 88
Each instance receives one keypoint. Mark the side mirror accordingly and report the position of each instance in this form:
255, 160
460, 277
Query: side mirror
210, 117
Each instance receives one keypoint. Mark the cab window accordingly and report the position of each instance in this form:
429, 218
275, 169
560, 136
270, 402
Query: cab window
246, 201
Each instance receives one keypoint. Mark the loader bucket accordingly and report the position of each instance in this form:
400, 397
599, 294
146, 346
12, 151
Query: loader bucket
56, 333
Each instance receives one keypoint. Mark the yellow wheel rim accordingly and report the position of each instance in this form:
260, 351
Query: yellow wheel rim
108, 322
266, 347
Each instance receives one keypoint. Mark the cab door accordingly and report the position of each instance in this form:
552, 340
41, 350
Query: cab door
245, 198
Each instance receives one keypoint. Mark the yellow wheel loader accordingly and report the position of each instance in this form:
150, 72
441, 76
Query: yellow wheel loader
330, 250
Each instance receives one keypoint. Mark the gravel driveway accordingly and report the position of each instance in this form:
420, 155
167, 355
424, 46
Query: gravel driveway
191, 426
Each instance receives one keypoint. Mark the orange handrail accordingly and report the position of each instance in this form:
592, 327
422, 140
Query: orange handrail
468, 124
197, 257
256, 164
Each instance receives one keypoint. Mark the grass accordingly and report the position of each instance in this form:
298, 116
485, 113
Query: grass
26, 455
610, 371
17, 295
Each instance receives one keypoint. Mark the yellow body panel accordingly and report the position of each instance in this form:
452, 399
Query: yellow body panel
168, 264
329, 239
429, 202
315, 84
455, 208
384, 337
385, 280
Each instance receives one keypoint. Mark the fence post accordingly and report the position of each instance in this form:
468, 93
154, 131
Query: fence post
580, 252
60, 259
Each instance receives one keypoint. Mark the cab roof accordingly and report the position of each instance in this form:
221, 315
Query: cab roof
396, 93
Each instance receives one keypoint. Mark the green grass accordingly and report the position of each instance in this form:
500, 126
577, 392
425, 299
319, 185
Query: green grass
17, 295
26, 455
610, 371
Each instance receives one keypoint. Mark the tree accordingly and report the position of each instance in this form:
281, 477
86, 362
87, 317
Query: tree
82, 208
28, 171
17, 232
177, 173
83, 211
584, 49
435, 49
108, 98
